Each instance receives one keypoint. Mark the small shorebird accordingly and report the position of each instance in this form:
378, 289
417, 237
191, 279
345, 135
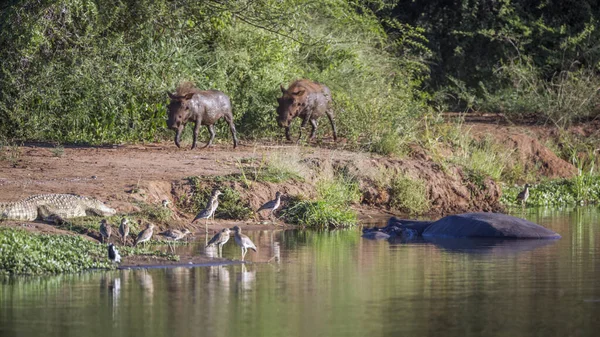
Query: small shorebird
271, 205
113, 253
243, 241
220, 239
165, 203
105, 230
144, 235
523, 195
124, 230
210, 209
175, 235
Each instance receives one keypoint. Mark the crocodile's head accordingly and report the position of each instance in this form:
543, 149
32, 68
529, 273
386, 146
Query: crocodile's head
97, 207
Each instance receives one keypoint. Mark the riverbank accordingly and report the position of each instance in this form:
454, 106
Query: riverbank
431, 180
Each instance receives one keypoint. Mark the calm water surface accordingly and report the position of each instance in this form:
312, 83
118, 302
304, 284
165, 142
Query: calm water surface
335, 284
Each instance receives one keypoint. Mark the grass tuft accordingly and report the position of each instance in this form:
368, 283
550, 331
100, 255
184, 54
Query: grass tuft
408, 195
231, 205
332, 207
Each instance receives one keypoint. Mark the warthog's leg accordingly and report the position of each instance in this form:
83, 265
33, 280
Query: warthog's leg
178, 137
287, 133
330, 116
313, 131
229, 121
196, 129
211, 131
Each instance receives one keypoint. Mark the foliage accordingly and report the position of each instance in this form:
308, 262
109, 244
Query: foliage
318, 214
231, 205
274, 168
97, 71
331, 207
567, 97
153, 213
25, 253
408, 195
581, 190
514, 56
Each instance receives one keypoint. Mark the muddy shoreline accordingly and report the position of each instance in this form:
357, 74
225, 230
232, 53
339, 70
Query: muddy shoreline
127, 176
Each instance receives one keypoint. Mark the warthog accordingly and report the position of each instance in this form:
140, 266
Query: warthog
307, 100
203, 107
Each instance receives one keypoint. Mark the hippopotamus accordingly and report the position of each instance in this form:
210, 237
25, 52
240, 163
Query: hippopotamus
307, 100
203, 107
470, 225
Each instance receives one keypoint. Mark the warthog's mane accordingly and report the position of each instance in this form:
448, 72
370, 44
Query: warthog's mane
186, 87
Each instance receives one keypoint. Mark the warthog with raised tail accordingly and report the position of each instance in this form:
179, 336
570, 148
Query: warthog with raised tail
307, 100
203, 107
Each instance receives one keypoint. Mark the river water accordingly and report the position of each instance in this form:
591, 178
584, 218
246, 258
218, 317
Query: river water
334, 284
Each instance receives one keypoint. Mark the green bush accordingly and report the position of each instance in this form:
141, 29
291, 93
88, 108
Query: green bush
319, 214
332, 207
231, 205
26, 253
408, 195
569, 96
97, 71
580, 190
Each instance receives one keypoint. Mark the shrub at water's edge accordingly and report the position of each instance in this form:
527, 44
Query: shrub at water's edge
22, 252
332, 207
579, 190
319, 214
27, 253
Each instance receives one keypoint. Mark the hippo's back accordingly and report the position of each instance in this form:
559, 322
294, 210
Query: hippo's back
488, 225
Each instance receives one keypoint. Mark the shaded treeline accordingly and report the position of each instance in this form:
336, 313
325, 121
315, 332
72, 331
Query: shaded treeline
517, 56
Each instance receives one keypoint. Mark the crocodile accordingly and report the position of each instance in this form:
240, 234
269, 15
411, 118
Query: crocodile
53, 207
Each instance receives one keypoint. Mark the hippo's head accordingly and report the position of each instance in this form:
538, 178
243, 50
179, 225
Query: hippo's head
290, 105
179, 111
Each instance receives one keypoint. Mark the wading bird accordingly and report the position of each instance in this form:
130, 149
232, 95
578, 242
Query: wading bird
113, 253
210, 209
243, 241
523, 195
271, 205
144, 235
219, 240
124, 230
105, 230
175, 235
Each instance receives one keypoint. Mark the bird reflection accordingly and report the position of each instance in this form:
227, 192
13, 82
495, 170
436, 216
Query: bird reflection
246, 278
219, 274
145, 280
211, 251
116, 293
